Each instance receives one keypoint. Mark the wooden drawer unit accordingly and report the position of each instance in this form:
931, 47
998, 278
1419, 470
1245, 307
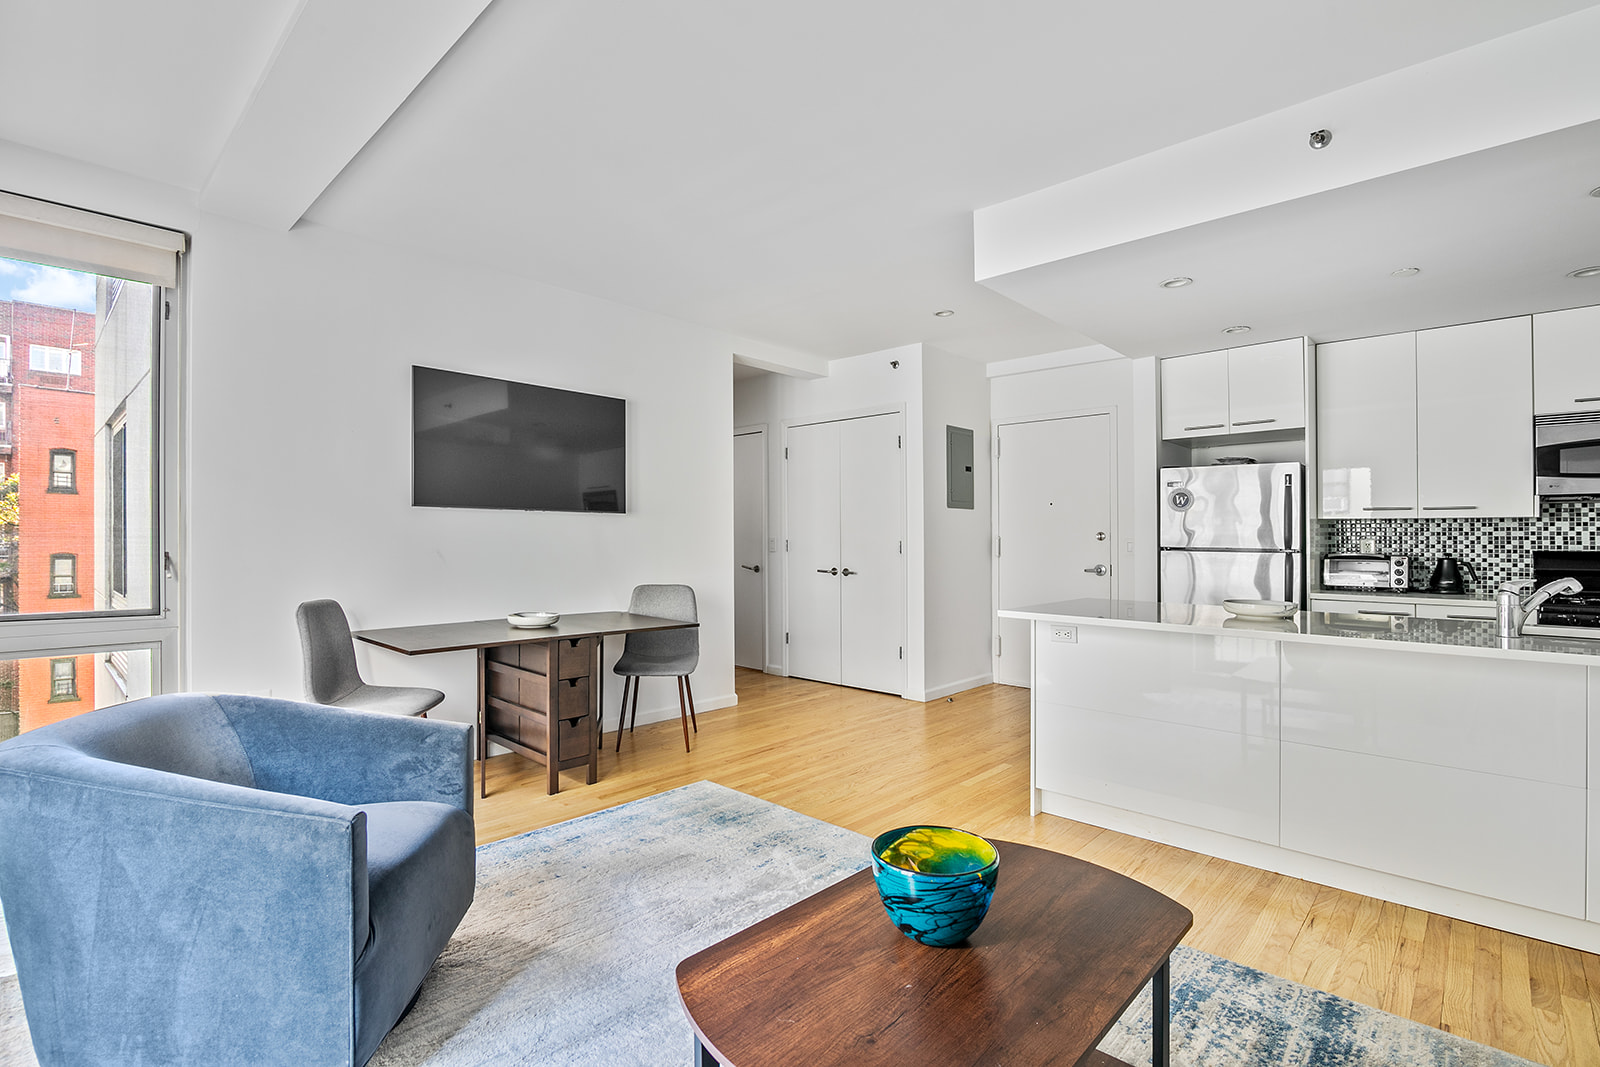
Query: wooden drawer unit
526, 686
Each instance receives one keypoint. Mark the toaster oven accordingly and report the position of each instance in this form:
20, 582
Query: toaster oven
1352, 571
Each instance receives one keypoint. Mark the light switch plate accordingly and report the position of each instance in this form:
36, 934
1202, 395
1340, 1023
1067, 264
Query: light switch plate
1069, 634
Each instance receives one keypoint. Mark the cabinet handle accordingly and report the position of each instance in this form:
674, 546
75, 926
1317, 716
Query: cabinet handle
1478, 618
1586, 400
828, 570
1450, 507
1402, 507
1207, 426
847, 572
1390, 614
1254, 422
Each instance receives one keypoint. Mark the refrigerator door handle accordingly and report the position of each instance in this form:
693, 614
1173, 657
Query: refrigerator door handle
1288, 513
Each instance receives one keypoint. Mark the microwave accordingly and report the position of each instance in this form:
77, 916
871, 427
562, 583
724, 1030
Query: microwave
1366, 572
1566, 454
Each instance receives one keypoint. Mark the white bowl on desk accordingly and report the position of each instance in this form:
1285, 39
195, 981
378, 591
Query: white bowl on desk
533, 620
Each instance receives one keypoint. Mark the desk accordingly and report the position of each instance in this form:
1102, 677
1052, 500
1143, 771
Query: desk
830, 982
538, 689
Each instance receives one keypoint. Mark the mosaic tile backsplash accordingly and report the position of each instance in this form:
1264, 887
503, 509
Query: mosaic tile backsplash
1498, 549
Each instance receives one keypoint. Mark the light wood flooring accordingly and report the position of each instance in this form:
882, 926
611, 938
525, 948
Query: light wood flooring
869, 762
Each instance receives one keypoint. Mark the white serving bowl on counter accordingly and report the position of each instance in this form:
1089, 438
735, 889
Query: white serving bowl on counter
1261, 609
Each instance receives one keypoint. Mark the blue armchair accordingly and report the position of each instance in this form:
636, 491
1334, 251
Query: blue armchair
194, 879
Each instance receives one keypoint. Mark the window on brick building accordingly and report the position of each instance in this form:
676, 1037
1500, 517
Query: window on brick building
64, 678
63, 574
63, 471
53, 360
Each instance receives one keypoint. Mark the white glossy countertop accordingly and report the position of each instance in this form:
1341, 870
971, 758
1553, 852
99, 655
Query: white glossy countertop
1473, 637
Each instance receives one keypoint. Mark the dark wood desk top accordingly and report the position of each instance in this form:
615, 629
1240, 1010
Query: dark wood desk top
1065, 948
491, 633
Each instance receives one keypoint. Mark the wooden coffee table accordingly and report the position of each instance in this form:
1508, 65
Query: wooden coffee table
1066, 947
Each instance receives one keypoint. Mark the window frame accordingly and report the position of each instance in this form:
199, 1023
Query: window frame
72, 558
71, 454
158, 627
62, 698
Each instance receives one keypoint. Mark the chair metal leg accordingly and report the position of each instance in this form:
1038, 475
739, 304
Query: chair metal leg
690, 690
633, 717
622, 712
683, 715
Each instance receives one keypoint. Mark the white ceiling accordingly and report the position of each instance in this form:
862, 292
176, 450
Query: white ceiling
804, 175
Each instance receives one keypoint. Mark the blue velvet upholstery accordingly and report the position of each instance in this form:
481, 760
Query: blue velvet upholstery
193, 879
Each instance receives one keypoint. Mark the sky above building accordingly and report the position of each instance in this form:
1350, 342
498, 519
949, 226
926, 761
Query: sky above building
51, 286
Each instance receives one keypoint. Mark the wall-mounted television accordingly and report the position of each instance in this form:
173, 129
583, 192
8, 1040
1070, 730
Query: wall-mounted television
481, 442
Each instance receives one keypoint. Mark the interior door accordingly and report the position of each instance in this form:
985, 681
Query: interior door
872, 599
749, 550
812, 531
1053, 519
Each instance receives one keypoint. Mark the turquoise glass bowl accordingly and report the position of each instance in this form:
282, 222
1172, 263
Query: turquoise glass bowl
935, 882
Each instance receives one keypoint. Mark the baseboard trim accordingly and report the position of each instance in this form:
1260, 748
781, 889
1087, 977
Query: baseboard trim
939, 692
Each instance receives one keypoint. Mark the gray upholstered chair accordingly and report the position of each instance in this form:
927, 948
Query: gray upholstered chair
329, 658
193, 879
661, 653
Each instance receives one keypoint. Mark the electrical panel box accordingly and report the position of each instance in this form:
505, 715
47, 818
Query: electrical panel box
958, 467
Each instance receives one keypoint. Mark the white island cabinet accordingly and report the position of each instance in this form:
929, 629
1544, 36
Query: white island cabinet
1420, 760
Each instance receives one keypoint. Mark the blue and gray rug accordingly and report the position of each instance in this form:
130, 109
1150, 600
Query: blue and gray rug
567, 955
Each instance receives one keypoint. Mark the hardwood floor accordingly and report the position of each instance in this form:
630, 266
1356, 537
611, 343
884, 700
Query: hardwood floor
869, 762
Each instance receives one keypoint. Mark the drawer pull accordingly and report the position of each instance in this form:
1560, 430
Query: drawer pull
1401, 507
1450, 507
1207, 426
1586, 400
1254, 422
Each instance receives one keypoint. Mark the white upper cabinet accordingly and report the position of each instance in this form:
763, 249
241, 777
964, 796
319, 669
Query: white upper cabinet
1566, 361
1194, 395
1475, 420
1238, 390
1367, 428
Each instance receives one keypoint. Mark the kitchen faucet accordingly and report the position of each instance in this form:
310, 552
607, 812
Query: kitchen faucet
1517, 599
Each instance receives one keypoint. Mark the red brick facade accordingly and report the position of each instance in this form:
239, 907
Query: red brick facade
49, 425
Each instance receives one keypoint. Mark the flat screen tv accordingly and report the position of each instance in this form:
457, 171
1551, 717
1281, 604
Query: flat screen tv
486, 443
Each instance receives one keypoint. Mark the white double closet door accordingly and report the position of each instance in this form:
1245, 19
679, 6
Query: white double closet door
845, 508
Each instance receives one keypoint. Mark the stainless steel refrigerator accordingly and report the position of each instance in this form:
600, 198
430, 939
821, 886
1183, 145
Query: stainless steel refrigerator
1232, 531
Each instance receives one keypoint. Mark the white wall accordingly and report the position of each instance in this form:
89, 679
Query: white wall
298, 444
958, 589
1098, 378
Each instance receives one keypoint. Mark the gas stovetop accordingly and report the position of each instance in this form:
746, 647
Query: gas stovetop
1579, 609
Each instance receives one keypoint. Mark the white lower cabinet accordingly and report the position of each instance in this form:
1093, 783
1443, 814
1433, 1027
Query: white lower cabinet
1366, 607
1465, 772
1178, 726
1497, 836
1455, 611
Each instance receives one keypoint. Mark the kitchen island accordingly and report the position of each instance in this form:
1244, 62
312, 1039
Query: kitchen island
1423, 761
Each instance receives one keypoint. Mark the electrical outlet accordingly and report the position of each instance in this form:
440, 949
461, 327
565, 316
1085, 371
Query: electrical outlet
1069, 634
1369, 545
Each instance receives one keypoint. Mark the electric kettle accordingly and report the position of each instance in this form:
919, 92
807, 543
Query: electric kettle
1447, 575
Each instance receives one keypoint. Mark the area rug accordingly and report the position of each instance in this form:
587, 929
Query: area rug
567, 954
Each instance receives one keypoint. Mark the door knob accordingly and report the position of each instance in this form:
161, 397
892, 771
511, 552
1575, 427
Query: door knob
847, 572
1101, 536
1099, 569
829, 570
748, 567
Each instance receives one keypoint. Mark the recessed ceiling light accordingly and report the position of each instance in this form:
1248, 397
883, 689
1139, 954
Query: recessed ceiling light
945, 314
1177, 283
1405, 272
1585, 272
1237, 329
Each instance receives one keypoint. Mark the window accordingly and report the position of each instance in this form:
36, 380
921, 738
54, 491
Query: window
64, 679
63, 471
5, 358
54, 360
95, 419
63, 575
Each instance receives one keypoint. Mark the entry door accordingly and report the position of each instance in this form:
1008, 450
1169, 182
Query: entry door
1053, 513
846, 567
749, 550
